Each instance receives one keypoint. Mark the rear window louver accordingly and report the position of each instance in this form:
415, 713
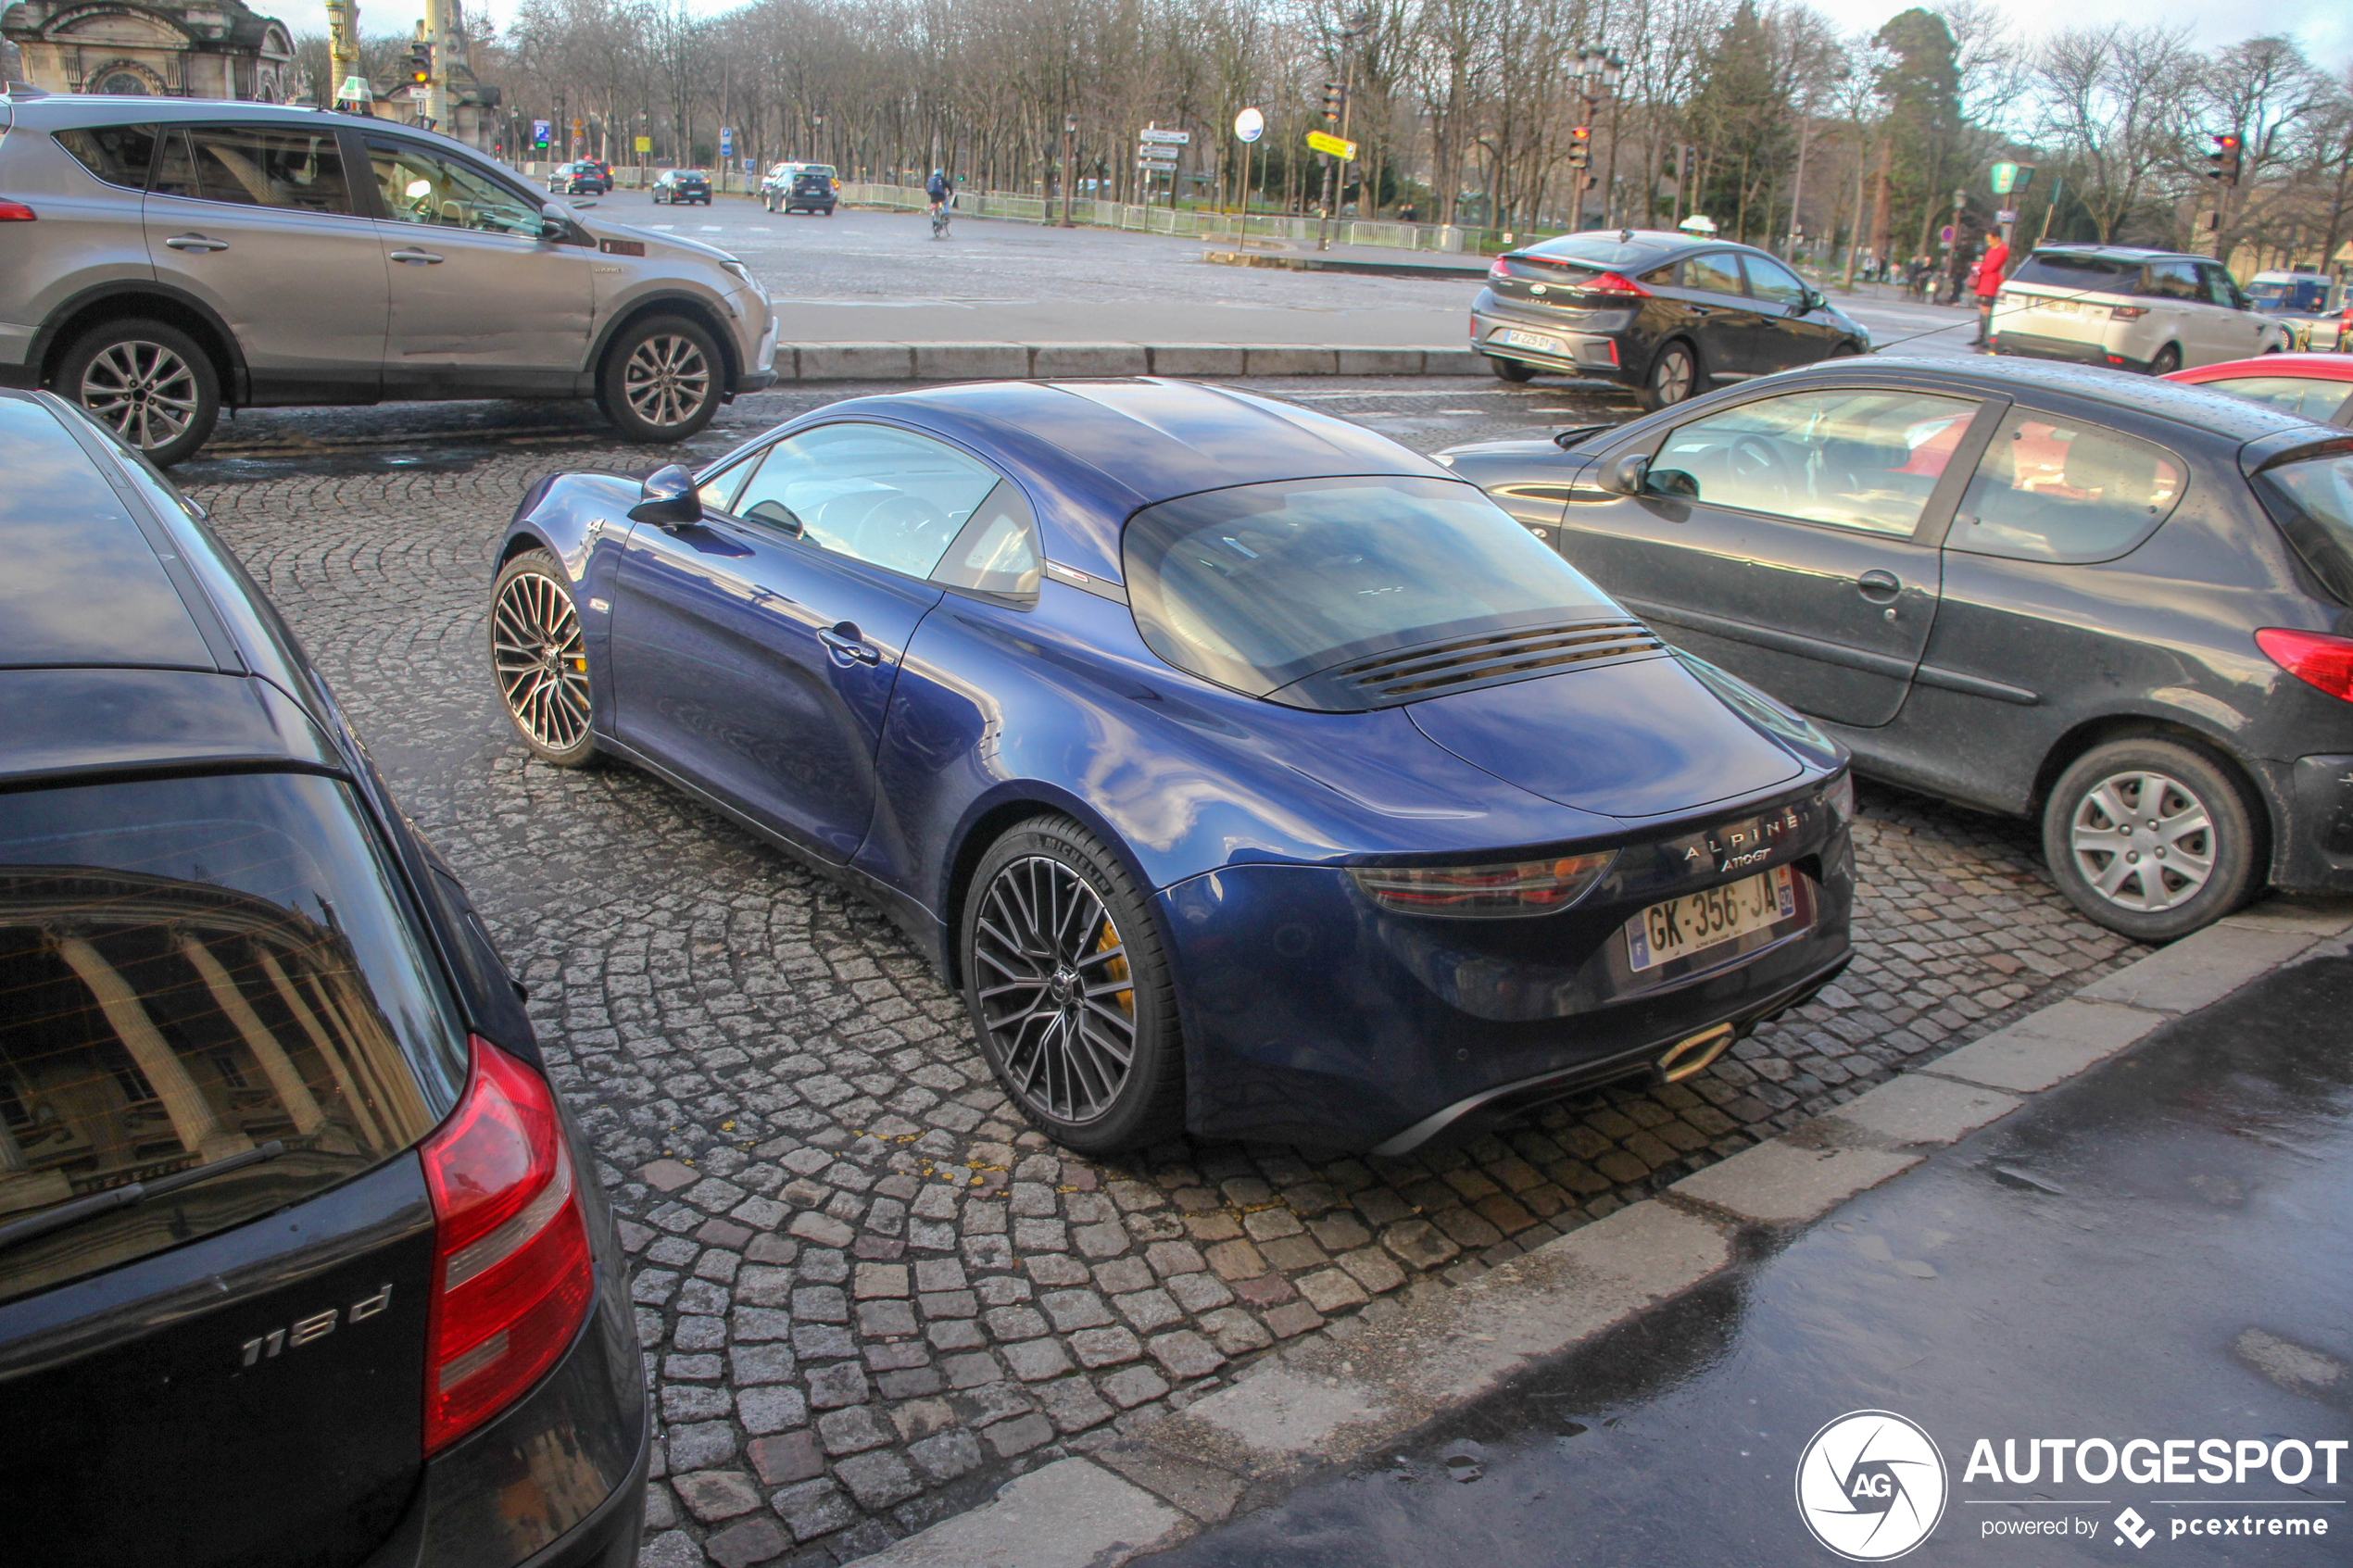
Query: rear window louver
1424, 672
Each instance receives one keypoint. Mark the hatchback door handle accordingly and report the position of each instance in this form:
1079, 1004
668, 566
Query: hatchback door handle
1879, 587
197, 243
426, 256
846, 643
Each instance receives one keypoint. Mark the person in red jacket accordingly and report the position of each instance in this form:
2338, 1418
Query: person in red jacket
1989, 283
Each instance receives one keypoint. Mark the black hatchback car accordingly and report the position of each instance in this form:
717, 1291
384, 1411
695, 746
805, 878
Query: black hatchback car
302, 1260
677, 186
1666, 314
2031, 587
811, 189
579, 180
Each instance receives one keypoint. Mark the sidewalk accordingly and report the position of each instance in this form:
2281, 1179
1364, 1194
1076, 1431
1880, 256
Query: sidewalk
1404, 1373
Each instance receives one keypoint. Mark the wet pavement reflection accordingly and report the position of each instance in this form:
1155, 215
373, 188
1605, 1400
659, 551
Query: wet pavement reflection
2157, 1251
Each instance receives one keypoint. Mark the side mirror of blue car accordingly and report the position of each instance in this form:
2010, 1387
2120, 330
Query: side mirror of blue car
668, 498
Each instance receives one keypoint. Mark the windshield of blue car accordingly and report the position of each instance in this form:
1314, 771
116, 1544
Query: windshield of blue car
2313, 501
1260, 585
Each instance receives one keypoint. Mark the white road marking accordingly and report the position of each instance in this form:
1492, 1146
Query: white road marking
712, 228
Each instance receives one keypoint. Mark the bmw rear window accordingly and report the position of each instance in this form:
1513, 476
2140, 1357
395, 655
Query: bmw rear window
2313, 503
1259, 587
199, 972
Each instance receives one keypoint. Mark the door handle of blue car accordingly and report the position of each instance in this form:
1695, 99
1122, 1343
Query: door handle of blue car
846, 643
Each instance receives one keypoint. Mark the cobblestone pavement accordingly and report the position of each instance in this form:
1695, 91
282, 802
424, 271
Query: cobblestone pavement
867, 1294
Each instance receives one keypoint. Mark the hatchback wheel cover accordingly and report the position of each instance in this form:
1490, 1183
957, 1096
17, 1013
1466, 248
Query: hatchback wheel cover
666, 380
1056, 998
543, 669
1672, 381
145, 393
2142, 841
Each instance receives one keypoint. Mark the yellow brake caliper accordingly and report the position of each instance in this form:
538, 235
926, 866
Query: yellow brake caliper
1117, 969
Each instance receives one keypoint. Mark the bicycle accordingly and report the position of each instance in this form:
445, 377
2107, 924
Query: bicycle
940, 220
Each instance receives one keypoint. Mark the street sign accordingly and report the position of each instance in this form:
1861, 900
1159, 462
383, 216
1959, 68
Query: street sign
1344, 151
2004, 176
1166, 138
1944, 235
645, 144
726, 141
539, 132
1250, 125
2007, 215
1152, 153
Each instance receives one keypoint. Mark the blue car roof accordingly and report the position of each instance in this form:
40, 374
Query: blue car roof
1101, 449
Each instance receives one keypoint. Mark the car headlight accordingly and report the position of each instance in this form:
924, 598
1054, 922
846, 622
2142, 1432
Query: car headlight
1523, 887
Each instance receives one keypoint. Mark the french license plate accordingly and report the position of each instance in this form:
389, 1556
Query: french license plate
2056, 307
1536, 341
1697, 921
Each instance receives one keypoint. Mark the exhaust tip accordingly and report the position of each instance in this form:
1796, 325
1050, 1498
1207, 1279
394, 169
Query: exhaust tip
1686, 1057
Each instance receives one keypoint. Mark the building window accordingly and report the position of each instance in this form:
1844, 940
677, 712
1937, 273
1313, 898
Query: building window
123, 83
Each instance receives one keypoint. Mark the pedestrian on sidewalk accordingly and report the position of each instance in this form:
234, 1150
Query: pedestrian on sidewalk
1989, 283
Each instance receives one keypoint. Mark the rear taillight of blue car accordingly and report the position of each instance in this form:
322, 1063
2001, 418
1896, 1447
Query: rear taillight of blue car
513, 1275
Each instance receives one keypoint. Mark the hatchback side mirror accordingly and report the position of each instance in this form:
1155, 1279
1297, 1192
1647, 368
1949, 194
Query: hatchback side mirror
1626, 476
670, 499
1815, 300
554, 223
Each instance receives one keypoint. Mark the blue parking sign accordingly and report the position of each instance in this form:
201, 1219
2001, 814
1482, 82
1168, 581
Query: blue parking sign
726, 141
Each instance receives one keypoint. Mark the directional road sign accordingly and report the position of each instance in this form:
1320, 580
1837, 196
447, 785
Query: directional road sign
1166, 138
1344, 151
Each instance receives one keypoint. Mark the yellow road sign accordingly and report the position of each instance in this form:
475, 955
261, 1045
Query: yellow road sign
1344, 151
645, 144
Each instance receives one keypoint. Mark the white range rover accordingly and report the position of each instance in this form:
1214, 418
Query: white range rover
2153, 311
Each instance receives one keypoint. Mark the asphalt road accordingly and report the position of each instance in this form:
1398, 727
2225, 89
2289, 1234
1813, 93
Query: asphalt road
872, 276
2159, 1250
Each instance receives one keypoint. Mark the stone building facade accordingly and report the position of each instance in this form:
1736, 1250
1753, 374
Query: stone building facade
190, 49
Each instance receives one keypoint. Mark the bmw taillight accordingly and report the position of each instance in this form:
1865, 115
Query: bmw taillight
1522, 888
513, 1275
1616, 286
2314, 658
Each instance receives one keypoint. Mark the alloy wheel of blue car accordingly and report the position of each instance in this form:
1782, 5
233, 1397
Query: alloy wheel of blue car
1069, 992
536, 653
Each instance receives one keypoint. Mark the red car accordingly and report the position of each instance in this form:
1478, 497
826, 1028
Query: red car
2318, 386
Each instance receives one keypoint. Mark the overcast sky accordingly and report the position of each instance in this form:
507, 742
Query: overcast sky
2324, 27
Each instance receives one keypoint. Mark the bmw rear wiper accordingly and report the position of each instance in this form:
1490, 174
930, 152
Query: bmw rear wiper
106, 1202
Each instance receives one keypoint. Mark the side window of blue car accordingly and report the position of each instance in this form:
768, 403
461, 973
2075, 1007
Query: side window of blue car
997, 552
872, 493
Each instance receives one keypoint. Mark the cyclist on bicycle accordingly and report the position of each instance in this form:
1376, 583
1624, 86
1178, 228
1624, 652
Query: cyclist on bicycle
936, 188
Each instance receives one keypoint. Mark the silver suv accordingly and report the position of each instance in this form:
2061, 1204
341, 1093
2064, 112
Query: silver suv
2150, 310
162, 257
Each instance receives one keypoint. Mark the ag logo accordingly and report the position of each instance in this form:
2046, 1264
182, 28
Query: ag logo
1870, 1485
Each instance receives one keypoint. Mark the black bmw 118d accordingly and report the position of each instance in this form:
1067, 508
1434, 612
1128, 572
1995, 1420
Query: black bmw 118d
302, 1262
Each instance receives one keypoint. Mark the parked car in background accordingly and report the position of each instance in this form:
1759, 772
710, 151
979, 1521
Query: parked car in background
162, 258
2312, 387
2151, 311
1667, 314
2302, 300
2119, 606
1456, 835
676, 187
811, 188
293, 1226
579, 180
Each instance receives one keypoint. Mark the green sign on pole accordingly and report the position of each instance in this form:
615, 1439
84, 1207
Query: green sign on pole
2011, 178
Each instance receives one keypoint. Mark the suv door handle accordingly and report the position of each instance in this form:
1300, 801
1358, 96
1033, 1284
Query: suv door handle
1879, 587
426, 256
846, 643
197, 243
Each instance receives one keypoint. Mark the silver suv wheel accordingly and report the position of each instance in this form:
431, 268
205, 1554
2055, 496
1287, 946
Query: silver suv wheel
662, 380
146, 381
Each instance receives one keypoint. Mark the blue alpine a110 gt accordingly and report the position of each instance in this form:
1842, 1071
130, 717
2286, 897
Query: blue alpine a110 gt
1248, 773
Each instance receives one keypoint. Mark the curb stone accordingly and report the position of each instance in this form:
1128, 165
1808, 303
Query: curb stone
1025, 361
1375, 1378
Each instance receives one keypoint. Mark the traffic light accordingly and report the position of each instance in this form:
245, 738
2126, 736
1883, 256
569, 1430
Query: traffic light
1690, 161
420, 62
2226, 159
1580, 147
1335, 95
